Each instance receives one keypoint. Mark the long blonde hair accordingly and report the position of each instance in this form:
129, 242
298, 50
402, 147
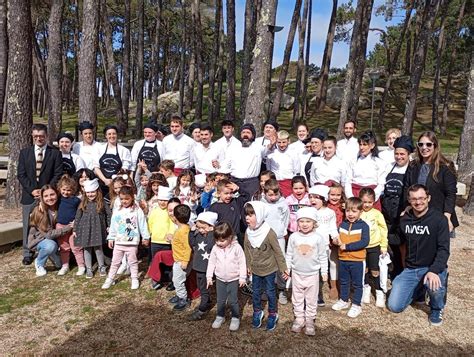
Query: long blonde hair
437, 159
99, 202
39, 217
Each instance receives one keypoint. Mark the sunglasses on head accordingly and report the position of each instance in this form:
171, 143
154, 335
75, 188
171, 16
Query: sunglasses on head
428, 145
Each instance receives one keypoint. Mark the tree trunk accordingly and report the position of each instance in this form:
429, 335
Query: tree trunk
406, 70
418, 65
164, 77
126, 63
182, 60
220, 72
106, 82
196, 13
189, 95
19, 111
231, 54
393, 65
140, 64
348, 95
304, 82
439, 53
214, 60
322, 88
469, 207
74, 89
275, 110
43, 78
250, 33
87, 62
467, 136
155, 65
454, 40
255, 106
3, 56
299, 73
112, 70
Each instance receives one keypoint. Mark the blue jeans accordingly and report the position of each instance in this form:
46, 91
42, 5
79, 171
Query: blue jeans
268, 283
409, 285
351, 273
47, 248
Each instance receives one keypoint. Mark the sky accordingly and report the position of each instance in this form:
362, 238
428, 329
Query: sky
320, 21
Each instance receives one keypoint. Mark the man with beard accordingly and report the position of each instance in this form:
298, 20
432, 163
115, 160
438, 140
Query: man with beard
348, 147
244, 161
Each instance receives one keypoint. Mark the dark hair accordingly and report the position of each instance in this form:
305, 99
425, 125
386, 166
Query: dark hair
192, 185
417, 187
369, 137
182, 213
354, 202
299, 179
108, 127
367, 191
351, 121
127, 190
331, 138
223, 230
302, 124
156, 177
257, 195
271, 185
177, 119
437, 159
207, 127
39, 127
174, 200
222, 184
227, 122
249, 210
89, 173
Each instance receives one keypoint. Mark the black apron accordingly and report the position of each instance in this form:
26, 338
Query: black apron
263, 165
150, 155
68, 165
110, 164
392, 204
307, 168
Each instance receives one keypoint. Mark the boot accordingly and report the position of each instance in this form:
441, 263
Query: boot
333, 293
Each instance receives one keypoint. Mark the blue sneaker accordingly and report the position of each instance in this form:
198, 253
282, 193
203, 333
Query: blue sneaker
272, 322
436, 317
257, 319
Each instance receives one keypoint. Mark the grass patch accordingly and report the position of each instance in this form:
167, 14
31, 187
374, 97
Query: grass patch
18, 298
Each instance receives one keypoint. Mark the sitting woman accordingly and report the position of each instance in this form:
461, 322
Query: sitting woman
42, 236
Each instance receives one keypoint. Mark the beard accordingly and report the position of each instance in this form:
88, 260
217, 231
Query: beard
246, 142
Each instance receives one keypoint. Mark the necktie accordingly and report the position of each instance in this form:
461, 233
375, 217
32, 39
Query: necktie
39, 163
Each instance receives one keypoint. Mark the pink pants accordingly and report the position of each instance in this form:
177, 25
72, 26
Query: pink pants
119, 251
305, 287
66, 245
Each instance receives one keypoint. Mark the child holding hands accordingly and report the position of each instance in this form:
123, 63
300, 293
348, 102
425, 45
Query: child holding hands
306, 257
227, 262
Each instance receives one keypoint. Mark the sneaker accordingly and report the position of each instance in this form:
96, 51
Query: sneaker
170, 287
282, 299
89, 274
309, 329
218, 322
64, 269
174, 300
108, 283
181, 305
340, 305
354, 311
196, 315
436, 317
297, 326
81, 271
103, 271
366, 294
257, 319
247, 289
379, 298
272, 322
122, 268
234, 324
321, 302
156, 285
40, 271
135, 284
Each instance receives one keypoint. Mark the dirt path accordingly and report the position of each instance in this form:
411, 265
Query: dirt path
72, 315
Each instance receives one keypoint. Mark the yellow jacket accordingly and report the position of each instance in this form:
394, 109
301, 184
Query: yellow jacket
159, 225
378, 228
180, 245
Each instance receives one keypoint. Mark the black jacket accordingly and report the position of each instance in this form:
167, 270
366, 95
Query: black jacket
427, 240
201, 246
443, 192
51, 171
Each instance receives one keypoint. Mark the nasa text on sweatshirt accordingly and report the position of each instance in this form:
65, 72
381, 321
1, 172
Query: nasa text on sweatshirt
427, 240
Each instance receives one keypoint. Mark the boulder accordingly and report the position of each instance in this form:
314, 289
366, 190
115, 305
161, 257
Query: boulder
287, 101
167, 103
364, 103
334, 95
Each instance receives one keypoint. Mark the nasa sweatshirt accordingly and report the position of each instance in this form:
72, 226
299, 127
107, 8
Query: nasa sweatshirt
426, 239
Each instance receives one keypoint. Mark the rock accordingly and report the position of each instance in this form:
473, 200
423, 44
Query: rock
167, 103
377, 90
364, 103
287, 101
334, 95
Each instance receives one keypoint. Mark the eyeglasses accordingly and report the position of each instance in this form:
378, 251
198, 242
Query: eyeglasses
419, 199
428, 145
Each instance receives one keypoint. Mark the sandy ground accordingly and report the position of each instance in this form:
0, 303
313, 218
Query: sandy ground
72, 315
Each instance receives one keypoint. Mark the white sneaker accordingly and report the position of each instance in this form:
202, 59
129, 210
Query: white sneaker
40, 271
234, 324
81, 271
122, 269
108, 283
64, 269
354, 311
379, 298
366, 294
340, 305
282, 298
218, 322
135, 284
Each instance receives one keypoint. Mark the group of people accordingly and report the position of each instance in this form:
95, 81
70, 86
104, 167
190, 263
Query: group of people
251, 215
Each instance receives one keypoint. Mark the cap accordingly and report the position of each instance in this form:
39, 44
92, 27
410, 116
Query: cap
404, 142
65, 135
207, 217
272, 123
200, 180
91, 185
319, 133
85, 125
251, 127
307, 212
320, 190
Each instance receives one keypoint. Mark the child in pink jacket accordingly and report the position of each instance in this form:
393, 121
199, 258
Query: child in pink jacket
227, 262
298, 199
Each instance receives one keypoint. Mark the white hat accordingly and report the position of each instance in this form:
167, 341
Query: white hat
91, 185
207, 217
307, 212
200, 180
320, 190
164, 193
